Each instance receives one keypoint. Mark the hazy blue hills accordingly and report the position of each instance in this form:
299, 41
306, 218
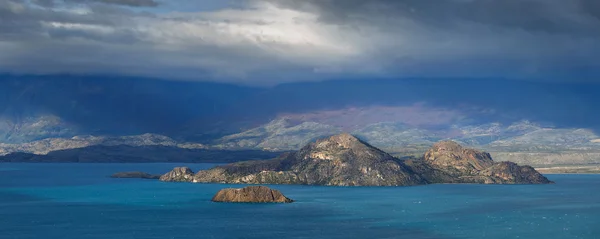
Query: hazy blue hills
203, 111
535, 122
108, 105
282, 134
26, 129
138, 154
521, 142
48, 145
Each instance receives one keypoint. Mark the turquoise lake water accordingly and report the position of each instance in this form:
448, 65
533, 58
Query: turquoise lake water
80, 201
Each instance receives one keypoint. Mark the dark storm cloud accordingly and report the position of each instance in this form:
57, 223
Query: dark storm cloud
552, 16
38, 26
15, 17
43, 3
289, 40
532, 38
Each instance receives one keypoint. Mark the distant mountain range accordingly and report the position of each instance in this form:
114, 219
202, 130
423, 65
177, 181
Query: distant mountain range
44, 114
137, 154
29, 129
39, 107
45, 146
521, 142
283, 134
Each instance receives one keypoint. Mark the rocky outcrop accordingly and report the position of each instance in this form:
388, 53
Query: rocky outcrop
340, 160
344, 160
452, 156
179, 174
251, 194
135, 175
511, 173
449, 162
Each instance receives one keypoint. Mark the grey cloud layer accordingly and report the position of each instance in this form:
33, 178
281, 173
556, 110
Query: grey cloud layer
131, 3
512, 35
273, 41
134, 3
552, 16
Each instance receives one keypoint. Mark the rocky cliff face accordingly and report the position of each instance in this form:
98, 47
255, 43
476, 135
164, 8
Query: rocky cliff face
449, 162
341, 160
344, 160
251, 194
451, 155
511, 173
179, 174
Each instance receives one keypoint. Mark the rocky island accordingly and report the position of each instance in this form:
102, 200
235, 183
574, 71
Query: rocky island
179, 174
251, 194
344, 160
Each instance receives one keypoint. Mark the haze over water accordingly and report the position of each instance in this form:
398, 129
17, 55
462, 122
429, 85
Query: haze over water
81, 201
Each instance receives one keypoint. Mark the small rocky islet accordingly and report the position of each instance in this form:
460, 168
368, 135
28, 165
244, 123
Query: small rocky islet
344, 160
251, 194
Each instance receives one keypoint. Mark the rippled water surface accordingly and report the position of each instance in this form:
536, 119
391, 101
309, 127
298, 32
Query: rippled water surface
80, 201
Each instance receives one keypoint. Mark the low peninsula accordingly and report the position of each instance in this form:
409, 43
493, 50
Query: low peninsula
135, 175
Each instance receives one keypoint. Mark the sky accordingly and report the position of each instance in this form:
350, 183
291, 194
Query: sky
269, 42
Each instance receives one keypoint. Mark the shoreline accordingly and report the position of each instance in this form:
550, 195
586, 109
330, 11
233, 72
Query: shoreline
569, 170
